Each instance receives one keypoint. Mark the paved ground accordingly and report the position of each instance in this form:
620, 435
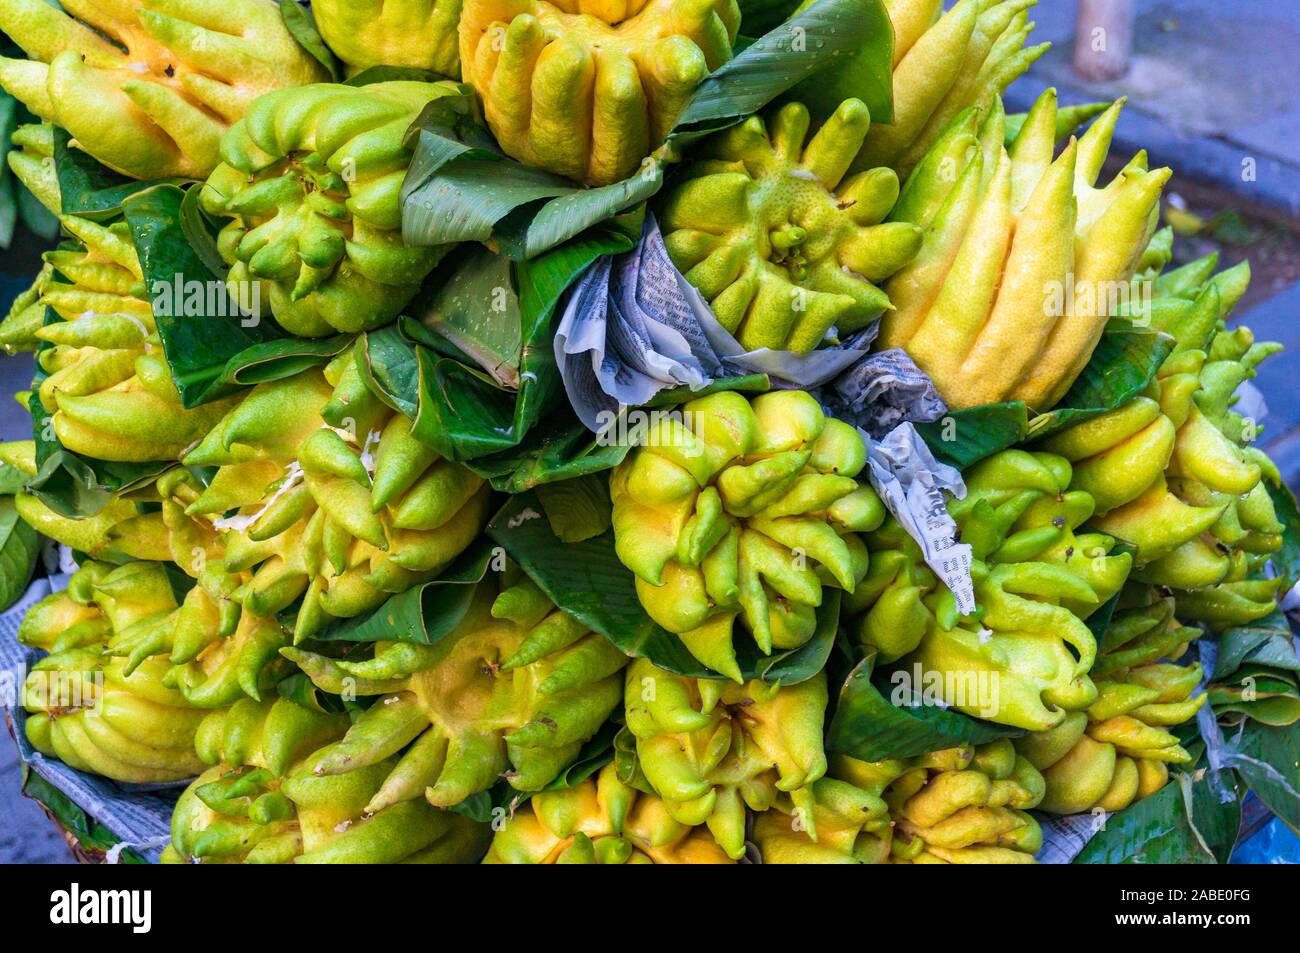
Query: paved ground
26, 835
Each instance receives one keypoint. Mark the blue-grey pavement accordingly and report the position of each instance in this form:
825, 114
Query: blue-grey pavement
1211, 88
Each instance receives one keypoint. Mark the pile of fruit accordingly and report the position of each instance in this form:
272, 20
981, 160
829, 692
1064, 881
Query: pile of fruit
298, 589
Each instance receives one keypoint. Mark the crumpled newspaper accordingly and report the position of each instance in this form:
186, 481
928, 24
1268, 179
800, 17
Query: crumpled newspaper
911, 483
140, 815
633, 326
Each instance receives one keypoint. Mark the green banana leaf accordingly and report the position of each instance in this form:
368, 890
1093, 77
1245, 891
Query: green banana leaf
577, 509
962, 438
19, 547
1268, 760
281, 358
89, 189
301, 24
69, 484
1182, 823
16, 203
460, 188
476, 381
759, 16
1263, 694
1266, 642
89, 833
200, 341
11, 479
498, 804
587, 580
392, 74
868, 726
1123, 364
424, 614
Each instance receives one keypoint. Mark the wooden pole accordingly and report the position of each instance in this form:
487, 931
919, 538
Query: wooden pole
1103, 39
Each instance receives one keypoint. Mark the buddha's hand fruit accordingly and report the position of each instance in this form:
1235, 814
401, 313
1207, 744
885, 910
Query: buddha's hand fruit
258, 805
419, 34
957, 806
310, 179
711, 749
109, 388
945, 63
147, 87
97, 713
588, 90
743, 510
515, 690
786, 246
323, 492
1023, 258
600, 821
31, 159
1120, 749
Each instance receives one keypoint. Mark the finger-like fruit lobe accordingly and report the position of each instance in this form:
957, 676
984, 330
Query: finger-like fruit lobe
311, 179
955, 806
1024, 259
515, 689
589, 88
147, 87
1022, 658
785, 245
323, 492
945, 63
600, 821
420, 34
1120, 749
107, 385
710, 749
258, 804
740, 509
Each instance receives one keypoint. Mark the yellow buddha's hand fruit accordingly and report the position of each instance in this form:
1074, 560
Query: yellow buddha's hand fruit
148, 87
589, 88
109, 388
711, 749
311, 179
420, 34
515, 691
945, 63
1120, 749
1024, 259
785, 245
743, 510
600, 821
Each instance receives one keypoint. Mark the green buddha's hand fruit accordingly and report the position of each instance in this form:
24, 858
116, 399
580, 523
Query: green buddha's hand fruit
333, 498
955, 806
600, 821
1119, 750
419, 34
148, 87
310, 179
1022, 658
945, 63
743, 510
516, 689
711, 749
94, 712
1023, 257
786, 246
31, 159
587, 90
258, 804
1172, 471
109, 388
